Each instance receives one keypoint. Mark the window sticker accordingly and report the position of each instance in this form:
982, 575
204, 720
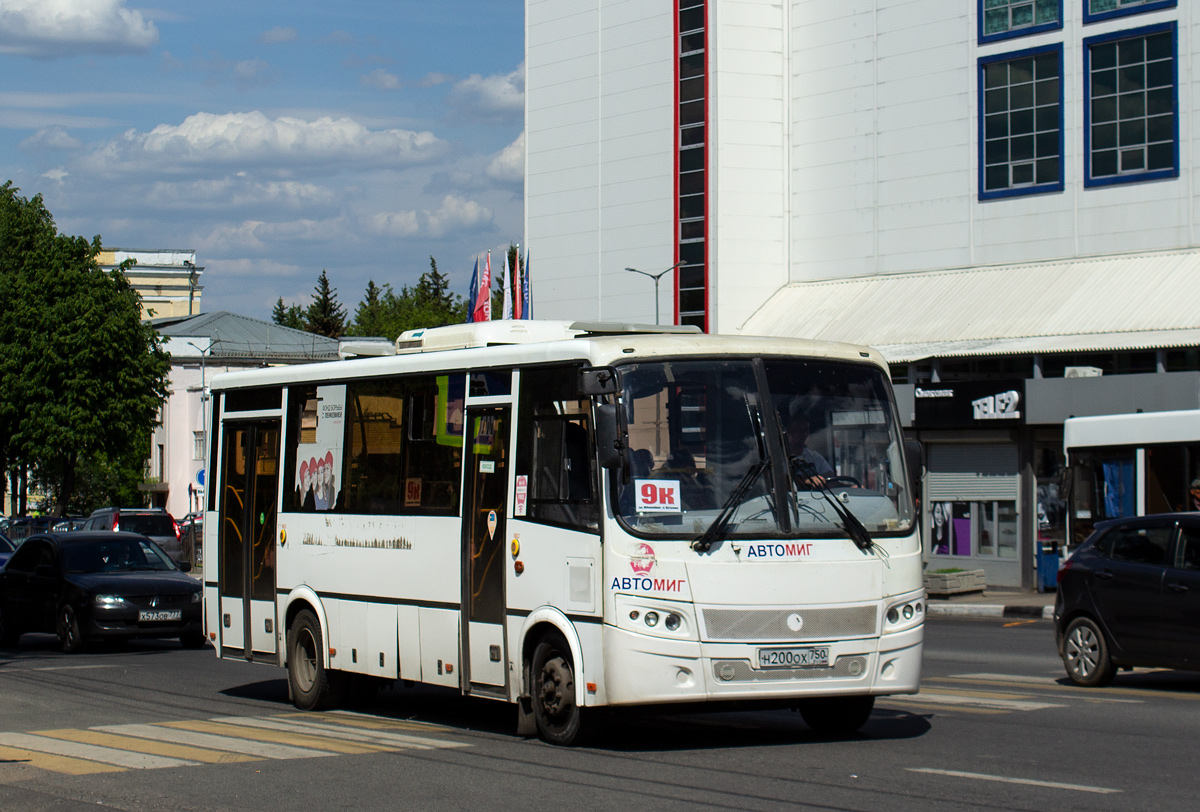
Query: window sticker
657, 495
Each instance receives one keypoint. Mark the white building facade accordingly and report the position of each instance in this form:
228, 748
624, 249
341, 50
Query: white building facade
951, 181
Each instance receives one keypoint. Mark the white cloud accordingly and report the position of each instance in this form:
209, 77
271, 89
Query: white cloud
235, 192
280, 33
434, 79
51, 138
256, 235
247, 140
380, 80
250, 71
54, 28
455, 214
508, 165
56, 175
491, 97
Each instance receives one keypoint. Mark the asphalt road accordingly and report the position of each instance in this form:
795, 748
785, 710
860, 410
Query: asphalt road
996, 727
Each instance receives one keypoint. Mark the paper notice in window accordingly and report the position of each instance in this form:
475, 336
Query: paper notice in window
657, 495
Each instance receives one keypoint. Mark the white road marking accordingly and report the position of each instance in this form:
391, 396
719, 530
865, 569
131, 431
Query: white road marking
213, 741
340, 732
975, 701
1009, 780
92, 752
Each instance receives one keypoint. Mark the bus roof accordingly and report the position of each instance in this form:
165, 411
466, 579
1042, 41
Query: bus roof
508, 342
1141, 428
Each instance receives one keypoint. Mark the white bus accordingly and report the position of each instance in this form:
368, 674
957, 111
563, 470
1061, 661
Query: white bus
570, 516
1130, 465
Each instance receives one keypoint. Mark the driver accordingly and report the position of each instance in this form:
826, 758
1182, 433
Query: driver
818, 468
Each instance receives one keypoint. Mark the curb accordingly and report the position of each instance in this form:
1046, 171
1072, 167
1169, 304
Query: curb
987, 610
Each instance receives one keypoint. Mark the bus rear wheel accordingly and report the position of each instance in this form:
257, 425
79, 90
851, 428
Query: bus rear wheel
555, 711
313, 686
837, 715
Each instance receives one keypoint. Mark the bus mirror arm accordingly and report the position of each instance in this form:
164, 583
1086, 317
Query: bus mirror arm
611, 437
914, 456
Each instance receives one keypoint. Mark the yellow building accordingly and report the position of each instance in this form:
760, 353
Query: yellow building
167, 279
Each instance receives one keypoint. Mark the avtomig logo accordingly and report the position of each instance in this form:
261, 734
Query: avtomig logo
778, 550
643, 559
648, 584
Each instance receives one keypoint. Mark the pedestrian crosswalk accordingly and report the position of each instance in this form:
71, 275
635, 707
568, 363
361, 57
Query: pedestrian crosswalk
223, 740
987, 693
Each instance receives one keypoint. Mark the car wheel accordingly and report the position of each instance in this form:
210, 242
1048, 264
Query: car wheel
1085, 654
558, 717
69, 636
837, 715
312, 685
192, 640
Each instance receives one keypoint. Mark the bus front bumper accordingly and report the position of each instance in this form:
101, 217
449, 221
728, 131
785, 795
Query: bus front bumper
640, 669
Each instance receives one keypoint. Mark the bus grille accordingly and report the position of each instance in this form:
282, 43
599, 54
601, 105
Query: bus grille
781, 624
743, 671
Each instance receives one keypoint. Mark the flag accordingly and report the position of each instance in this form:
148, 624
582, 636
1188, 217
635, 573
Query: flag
518, 299
483, 294
474, 292
508, 291
526, 290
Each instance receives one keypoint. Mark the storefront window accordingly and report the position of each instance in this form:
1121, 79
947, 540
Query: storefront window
975, 528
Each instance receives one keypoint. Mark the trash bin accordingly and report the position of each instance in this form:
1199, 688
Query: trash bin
1047, 566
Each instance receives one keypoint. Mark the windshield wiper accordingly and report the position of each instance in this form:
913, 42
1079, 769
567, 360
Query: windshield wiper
716, 530
850, 523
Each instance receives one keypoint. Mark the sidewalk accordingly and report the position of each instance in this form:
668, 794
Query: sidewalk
993, 602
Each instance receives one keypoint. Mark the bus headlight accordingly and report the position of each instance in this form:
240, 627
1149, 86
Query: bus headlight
904, 614
643, 615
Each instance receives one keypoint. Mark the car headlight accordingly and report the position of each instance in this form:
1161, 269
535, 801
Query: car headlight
110, 601
197, 597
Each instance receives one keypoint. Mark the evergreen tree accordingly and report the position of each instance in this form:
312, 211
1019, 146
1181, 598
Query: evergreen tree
288, 315
325, 316
383, 312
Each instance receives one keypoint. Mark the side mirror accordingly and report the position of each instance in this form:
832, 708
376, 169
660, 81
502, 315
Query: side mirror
184, 566
610, 438
599, 381
44, 571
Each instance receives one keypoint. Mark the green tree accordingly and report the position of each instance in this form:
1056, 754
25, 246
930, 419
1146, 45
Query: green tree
82, 378
288, 315
384, 312
325, 316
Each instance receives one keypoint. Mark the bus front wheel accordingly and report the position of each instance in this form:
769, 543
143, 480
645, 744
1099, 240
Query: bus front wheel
837, 715
553, 690
313, 686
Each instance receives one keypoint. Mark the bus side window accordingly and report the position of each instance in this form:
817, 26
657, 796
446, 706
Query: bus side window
555, 449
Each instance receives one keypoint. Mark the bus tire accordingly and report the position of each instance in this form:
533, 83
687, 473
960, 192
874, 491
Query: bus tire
557, 715
836, 715
313, 686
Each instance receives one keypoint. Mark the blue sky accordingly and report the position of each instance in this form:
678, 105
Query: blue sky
275, 139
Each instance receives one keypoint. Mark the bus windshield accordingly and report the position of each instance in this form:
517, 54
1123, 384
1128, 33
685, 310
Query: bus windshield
698, 440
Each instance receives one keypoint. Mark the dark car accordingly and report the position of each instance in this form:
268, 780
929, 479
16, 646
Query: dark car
6, 549
1130, 596
87, 585
153, 522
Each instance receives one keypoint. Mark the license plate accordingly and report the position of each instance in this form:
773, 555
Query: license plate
815, 657
162, 614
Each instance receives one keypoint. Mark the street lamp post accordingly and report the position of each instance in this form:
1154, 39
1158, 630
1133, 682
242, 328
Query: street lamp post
656, 277
203, 400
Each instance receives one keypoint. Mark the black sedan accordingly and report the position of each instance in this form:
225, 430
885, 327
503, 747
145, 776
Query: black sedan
1130, 596
87, 586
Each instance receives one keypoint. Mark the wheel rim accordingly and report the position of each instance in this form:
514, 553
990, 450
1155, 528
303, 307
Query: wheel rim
1083, 651
68, 629
557, 689
306, 660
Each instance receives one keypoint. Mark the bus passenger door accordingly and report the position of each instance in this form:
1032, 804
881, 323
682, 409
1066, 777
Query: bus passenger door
484, 500
246, 577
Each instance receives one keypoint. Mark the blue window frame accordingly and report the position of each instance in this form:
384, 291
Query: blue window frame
1021, 123
1131, 106
1096, 10
1003, 19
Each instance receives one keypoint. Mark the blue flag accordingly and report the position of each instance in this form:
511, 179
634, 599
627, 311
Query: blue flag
474, 292
526, 292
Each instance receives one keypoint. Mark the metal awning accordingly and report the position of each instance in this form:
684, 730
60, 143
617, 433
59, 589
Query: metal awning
1110, 303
